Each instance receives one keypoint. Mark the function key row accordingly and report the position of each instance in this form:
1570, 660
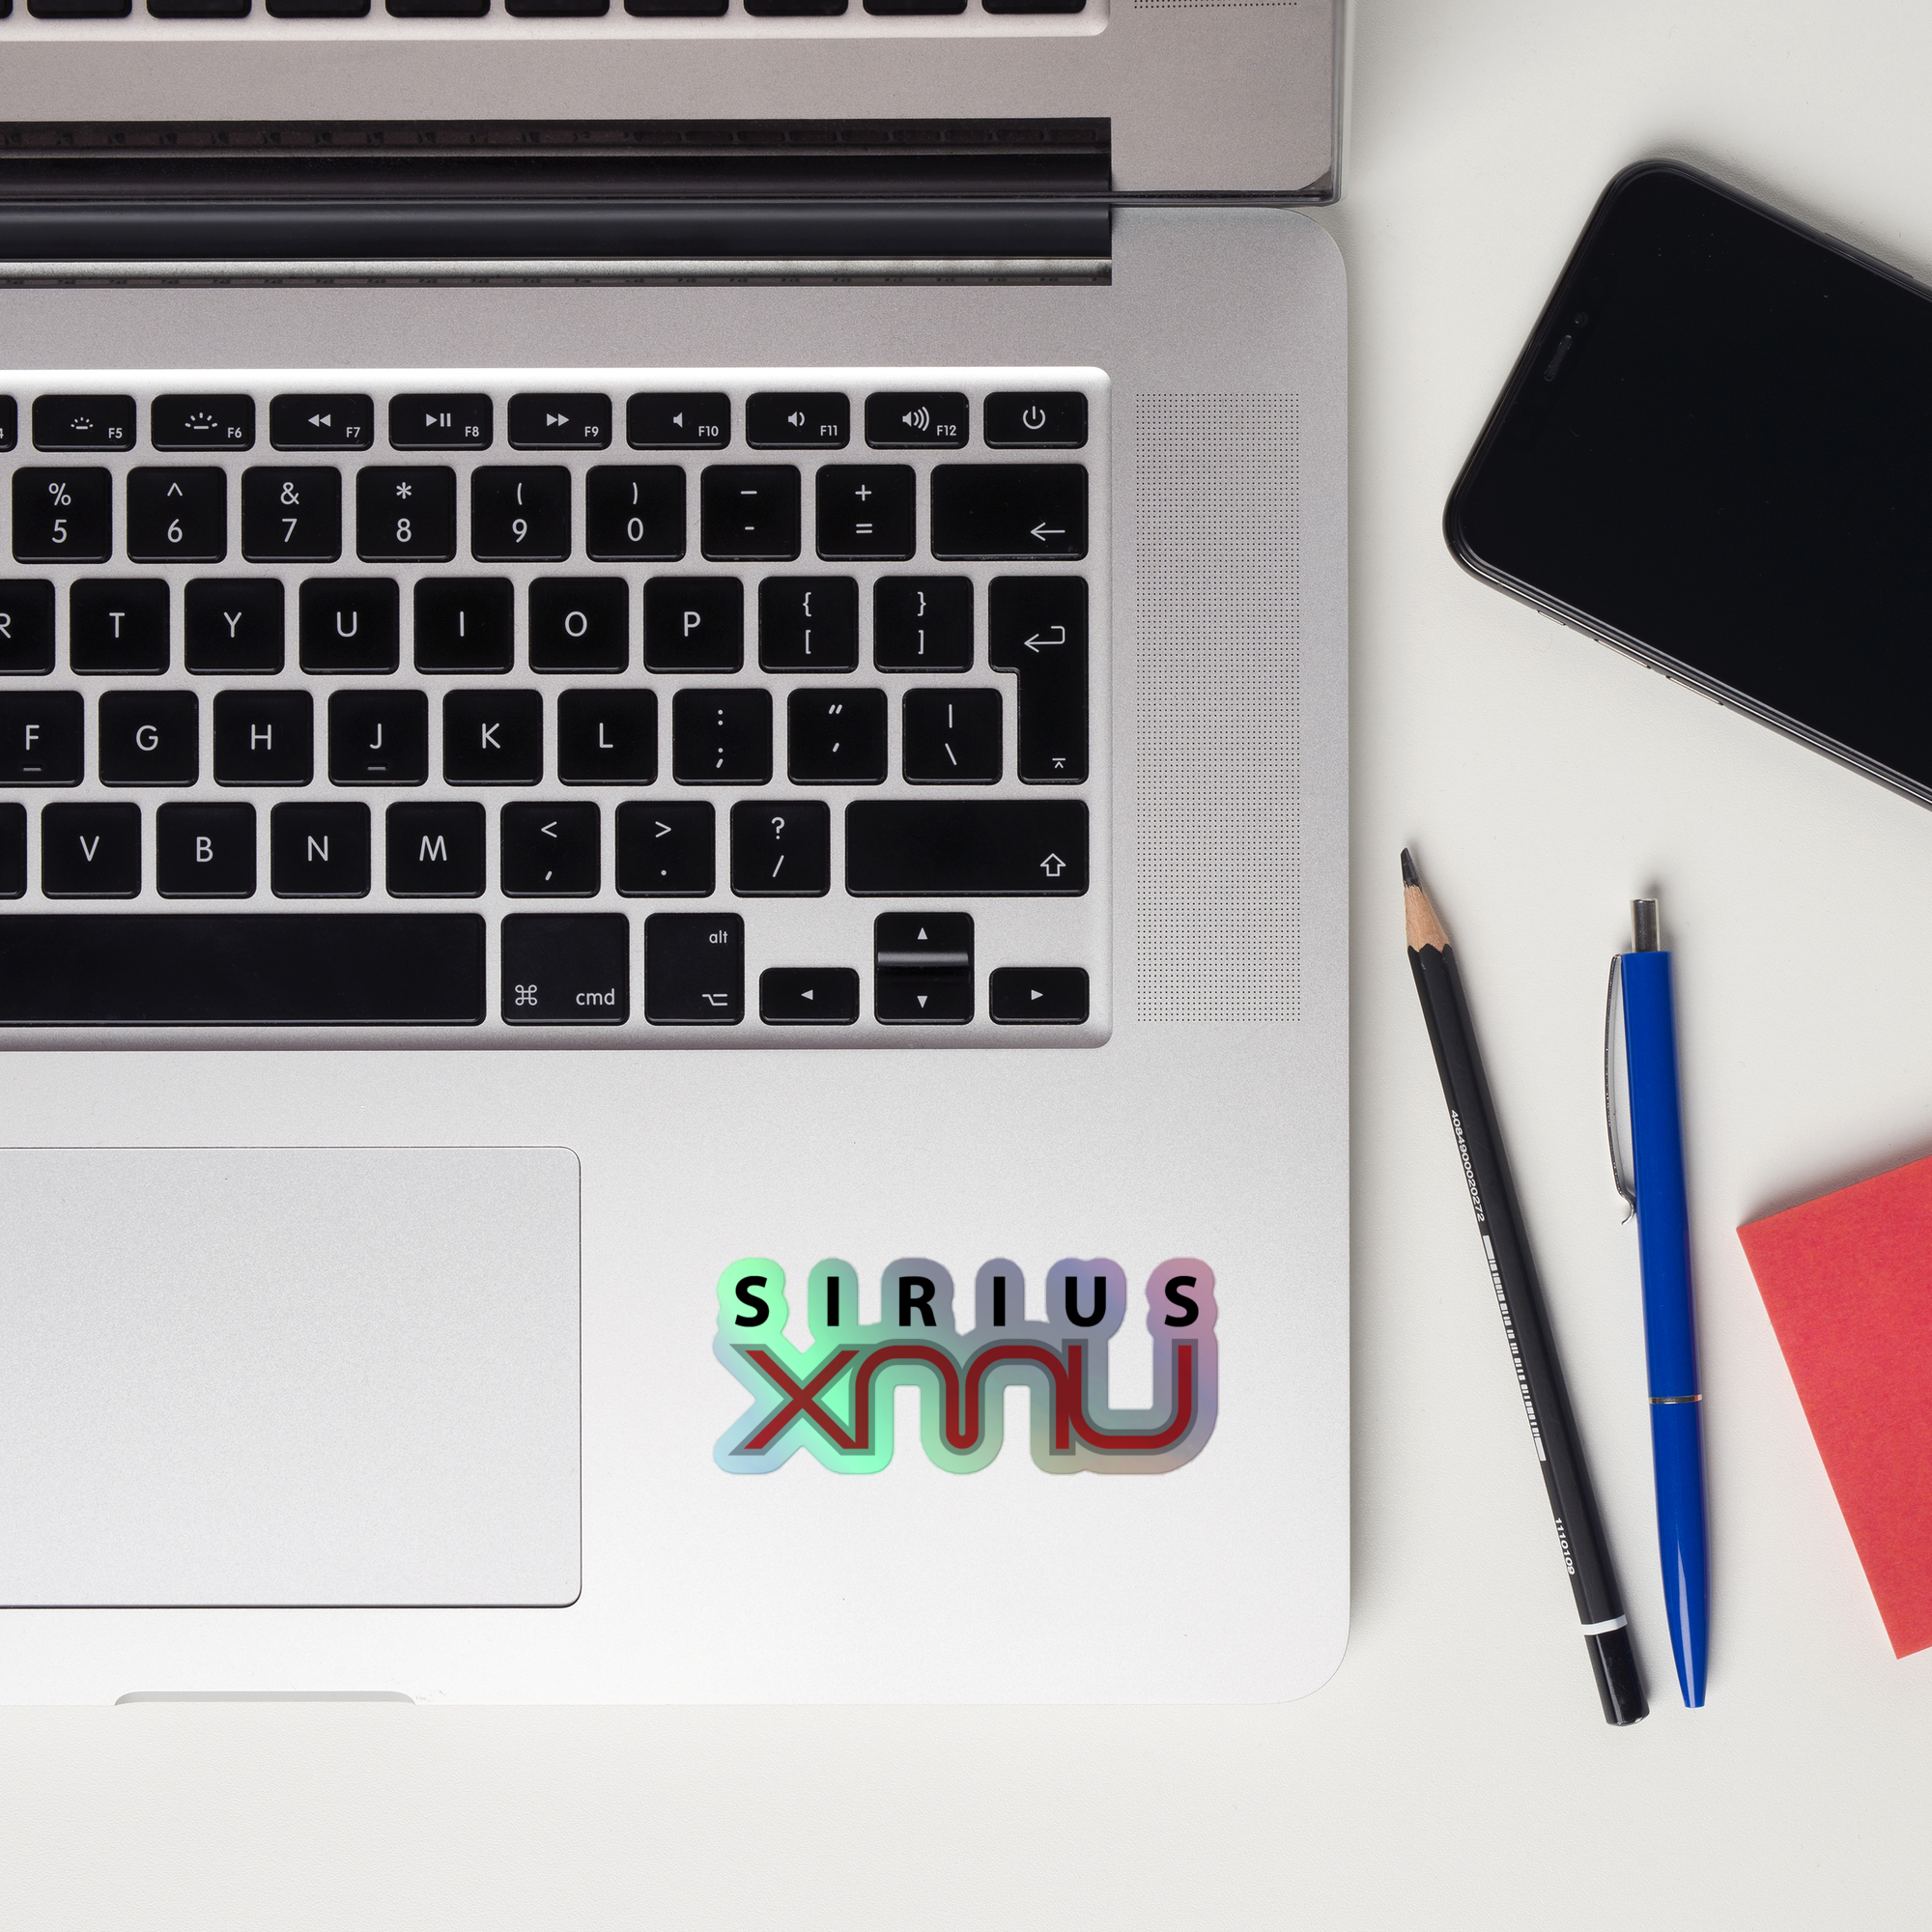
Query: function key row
496, 737
773, 419
780, 848
539, 10
863, 512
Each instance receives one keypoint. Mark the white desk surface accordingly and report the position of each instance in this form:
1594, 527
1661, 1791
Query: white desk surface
1456, 1772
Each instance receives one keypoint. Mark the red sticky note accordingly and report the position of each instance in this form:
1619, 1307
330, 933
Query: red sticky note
1847, 1281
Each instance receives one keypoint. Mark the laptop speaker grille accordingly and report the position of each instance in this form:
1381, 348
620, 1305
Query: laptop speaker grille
1217, 695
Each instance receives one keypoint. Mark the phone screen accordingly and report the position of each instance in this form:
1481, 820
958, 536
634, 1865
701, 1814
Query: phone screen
1716, 453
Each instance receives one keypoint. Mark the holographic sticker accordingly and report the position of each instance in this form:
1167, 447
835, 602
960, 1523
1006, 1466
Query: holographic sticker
835, 1396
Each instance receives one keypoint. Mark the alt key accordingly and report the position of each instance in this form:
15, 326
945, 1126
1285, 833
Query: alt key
809, 996
1038, 996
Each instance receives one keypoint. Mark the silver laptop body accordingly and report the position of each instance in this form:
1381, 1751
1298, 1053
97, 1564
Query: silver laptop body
937, 1289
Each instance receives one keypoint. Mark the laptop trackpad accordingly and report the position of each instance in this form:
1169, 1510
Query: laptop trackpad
289, 1376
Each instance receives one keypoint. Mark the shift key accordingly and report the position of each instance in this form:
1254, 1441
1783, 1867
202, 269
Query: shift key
1009, 510
966, 848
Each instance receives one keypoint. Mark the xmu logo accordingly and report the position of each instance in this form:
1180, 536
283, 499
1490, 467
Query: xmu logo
833, 1397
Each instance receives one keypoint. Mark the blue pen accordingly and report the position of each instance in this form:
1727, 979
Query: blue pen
1669, 1329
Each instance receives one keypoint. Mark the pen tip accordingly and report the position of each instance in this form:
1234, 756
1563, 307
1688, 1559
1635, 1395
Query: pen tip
1409, 877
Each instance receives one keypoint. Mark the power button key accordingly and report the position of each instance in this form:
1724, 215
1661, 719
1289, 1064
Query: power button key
1035, 419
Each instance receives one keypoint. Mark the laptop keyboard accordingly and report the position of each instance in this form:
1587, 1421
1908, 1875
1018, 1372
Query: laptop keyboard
621, 708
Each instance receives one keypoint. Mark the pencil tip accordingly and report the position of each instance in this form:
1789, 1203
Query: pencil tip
1409, 877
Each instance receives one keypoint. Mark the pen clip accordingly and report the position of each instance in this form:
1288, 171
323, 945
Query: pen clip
1624, 1191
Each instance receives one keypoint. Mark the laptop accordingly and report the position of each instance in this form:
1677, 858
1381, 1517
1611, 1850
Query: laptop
673, 956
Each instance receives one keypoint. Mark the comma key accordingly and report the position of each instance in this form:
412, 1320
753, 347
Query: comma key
566, 969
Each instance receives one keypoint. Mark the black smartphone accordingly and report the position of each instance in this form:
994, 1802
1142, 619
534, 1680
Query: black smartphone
1716, 453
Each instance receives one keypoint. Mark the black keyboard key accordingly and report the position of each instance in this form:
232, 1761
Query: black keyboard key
118, 624
1037, 627
566, 969
435, 851
177, 516
580, 623
241, 969
378, 737
923, 968
675, 9
560, 421
914, 6
80, 10
923, 623
1009, 510
205, 851
264, 737
405, 513
322, 422
694, 623
721, 737
440, 422
201, 422
84, 422
520, 513
1038, 996
319, 851
438, 10
40, 738
606, 737
781, 10
464, 623
836, 737
781, 848
1035, 418
12, 851
693, 969
809, 996
349, 624
551, 851
318, 9
634, 511
26, 627
866, 511
1035, 7
980, 847
748, 511
808, 624
9, 422
491, 737
820, 419
666, 851
291, 516
953, 737
150, 737
923, 419
90, 851
62, 516
685, 419
233, 624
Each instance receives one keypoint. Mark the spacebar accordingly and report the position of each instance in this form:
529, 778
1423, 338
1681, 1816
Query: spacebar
241, 969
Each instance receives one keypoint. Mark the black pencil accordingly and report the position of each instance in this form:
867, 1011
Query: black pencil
1539, 1375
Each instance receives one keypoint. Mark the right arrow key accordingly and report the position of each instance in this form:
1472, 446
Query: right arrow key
1009, 510
1038, 996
